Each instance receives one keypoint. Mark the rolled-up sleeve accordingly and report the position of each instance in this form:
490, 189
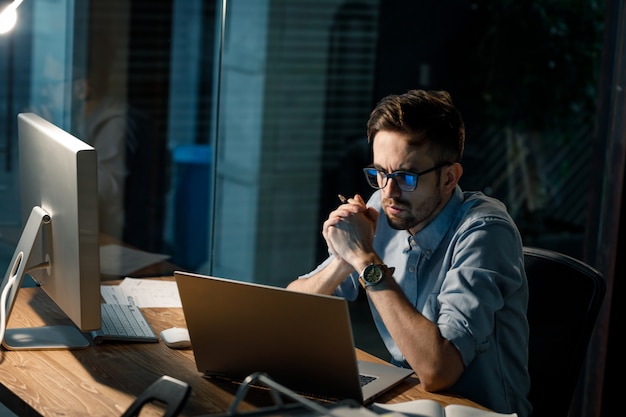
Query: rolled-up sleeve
484, 270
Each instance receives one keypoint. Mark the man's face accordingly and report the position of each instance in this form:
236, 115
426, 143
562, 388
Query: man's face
408, 210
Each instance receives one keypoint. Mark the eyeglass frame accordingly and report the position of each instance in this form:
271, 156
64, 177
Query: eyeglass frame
395, 174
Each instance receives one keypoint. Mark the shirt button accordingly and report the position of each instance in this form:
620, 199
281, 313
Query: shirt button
411, 269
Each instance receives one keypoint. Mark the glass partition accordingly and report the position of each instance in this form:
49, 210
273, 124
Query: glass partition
240, 121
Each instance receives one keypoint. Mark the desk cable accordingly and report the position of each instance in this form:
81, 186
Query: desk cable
279, 407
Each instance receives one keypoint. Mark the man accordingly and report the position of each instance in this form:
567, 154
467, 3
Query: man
443, 269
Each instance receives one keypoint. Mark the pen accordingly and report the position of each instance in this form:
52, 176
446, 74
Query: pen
342, 198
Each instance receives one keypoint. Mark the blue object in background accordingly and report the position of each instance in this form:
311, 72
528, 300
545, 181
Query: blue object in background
191, 222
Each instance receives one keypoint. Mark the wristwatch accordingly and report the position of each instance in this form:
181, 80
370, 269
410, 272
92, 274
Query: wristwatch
373, 274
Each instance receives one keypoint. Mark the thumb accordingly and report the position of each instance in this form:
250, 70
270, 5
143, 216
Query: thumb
358, 198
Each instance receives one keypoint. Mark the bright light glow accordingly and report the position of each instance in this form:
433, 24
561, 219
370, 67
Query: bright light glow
8, 17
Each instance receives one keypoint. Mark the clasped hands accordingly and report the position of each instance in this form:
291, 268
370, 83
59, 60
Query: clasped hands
349, 229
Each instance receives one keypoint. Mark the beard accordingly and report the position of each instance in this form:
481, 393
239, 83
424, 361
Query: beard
413, 216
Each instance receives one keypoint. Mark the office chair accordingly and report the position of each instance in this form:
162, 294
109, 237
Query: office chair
565, 296
167, 390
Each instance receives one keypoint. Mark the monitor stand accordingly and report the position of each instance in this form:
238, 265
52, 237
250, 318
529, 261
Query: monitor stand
44, 338
32, 338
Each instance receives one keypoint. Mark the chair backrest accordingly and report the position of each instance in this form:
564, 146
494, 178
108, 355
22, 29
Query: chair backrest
167, 391
565, 296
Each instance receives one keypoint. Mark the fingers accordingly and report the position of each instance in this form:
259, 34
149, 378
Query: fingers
348, 208
356, 199
325, 233
354, 229
355, 204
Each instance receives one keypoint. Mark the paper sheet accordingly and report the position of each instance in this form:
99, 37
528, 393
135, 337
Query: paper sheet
143, 293
431, 408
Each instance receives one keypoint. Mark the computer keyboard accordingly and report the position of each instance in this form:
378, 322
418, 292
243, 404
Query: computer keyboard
123, 323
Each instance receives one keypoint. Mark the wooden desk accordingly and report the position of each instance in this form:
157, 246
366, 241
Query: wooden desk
103, 380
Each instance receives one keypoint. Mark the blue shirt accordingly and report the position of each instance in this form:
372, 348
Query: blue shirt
465, 272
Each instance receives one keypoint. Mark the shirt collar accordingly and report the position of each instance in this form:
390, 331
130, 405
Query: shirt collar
430, 237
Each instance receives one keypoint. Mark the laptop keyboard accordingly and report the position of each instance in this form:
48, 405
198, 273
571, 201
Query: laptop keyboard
123, 322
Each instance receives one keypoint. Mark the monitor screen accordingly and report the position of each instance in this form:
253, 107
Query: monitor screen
59, 247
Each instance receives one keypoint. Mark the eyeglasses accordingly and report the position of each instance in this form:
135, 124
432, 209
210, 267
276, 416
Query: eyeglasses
405, 180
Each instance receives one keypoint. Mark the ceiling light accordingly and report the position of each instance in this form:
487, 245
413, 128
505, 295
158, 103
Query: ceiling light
8, 17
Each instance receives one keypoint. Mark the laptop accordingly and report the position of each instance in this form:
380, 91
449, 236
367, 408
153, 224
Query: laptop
302, 341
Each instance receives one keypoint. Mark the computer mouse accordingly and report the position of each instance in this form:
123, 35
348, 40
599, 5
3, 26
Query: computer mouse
176, 338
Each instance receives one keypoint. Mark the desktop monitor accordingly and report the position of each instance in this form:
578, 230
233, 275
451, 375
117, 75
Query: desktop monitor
59, 245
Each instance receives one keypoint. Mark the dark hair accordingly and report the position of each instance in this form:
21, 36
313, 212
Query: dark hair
427, 117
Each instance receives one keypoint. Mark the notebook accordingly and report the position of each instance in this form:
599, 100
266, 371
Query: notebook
302, 341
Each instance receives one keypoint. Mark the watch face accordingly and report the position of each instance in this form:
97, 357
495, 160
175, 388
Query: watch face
373, 274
